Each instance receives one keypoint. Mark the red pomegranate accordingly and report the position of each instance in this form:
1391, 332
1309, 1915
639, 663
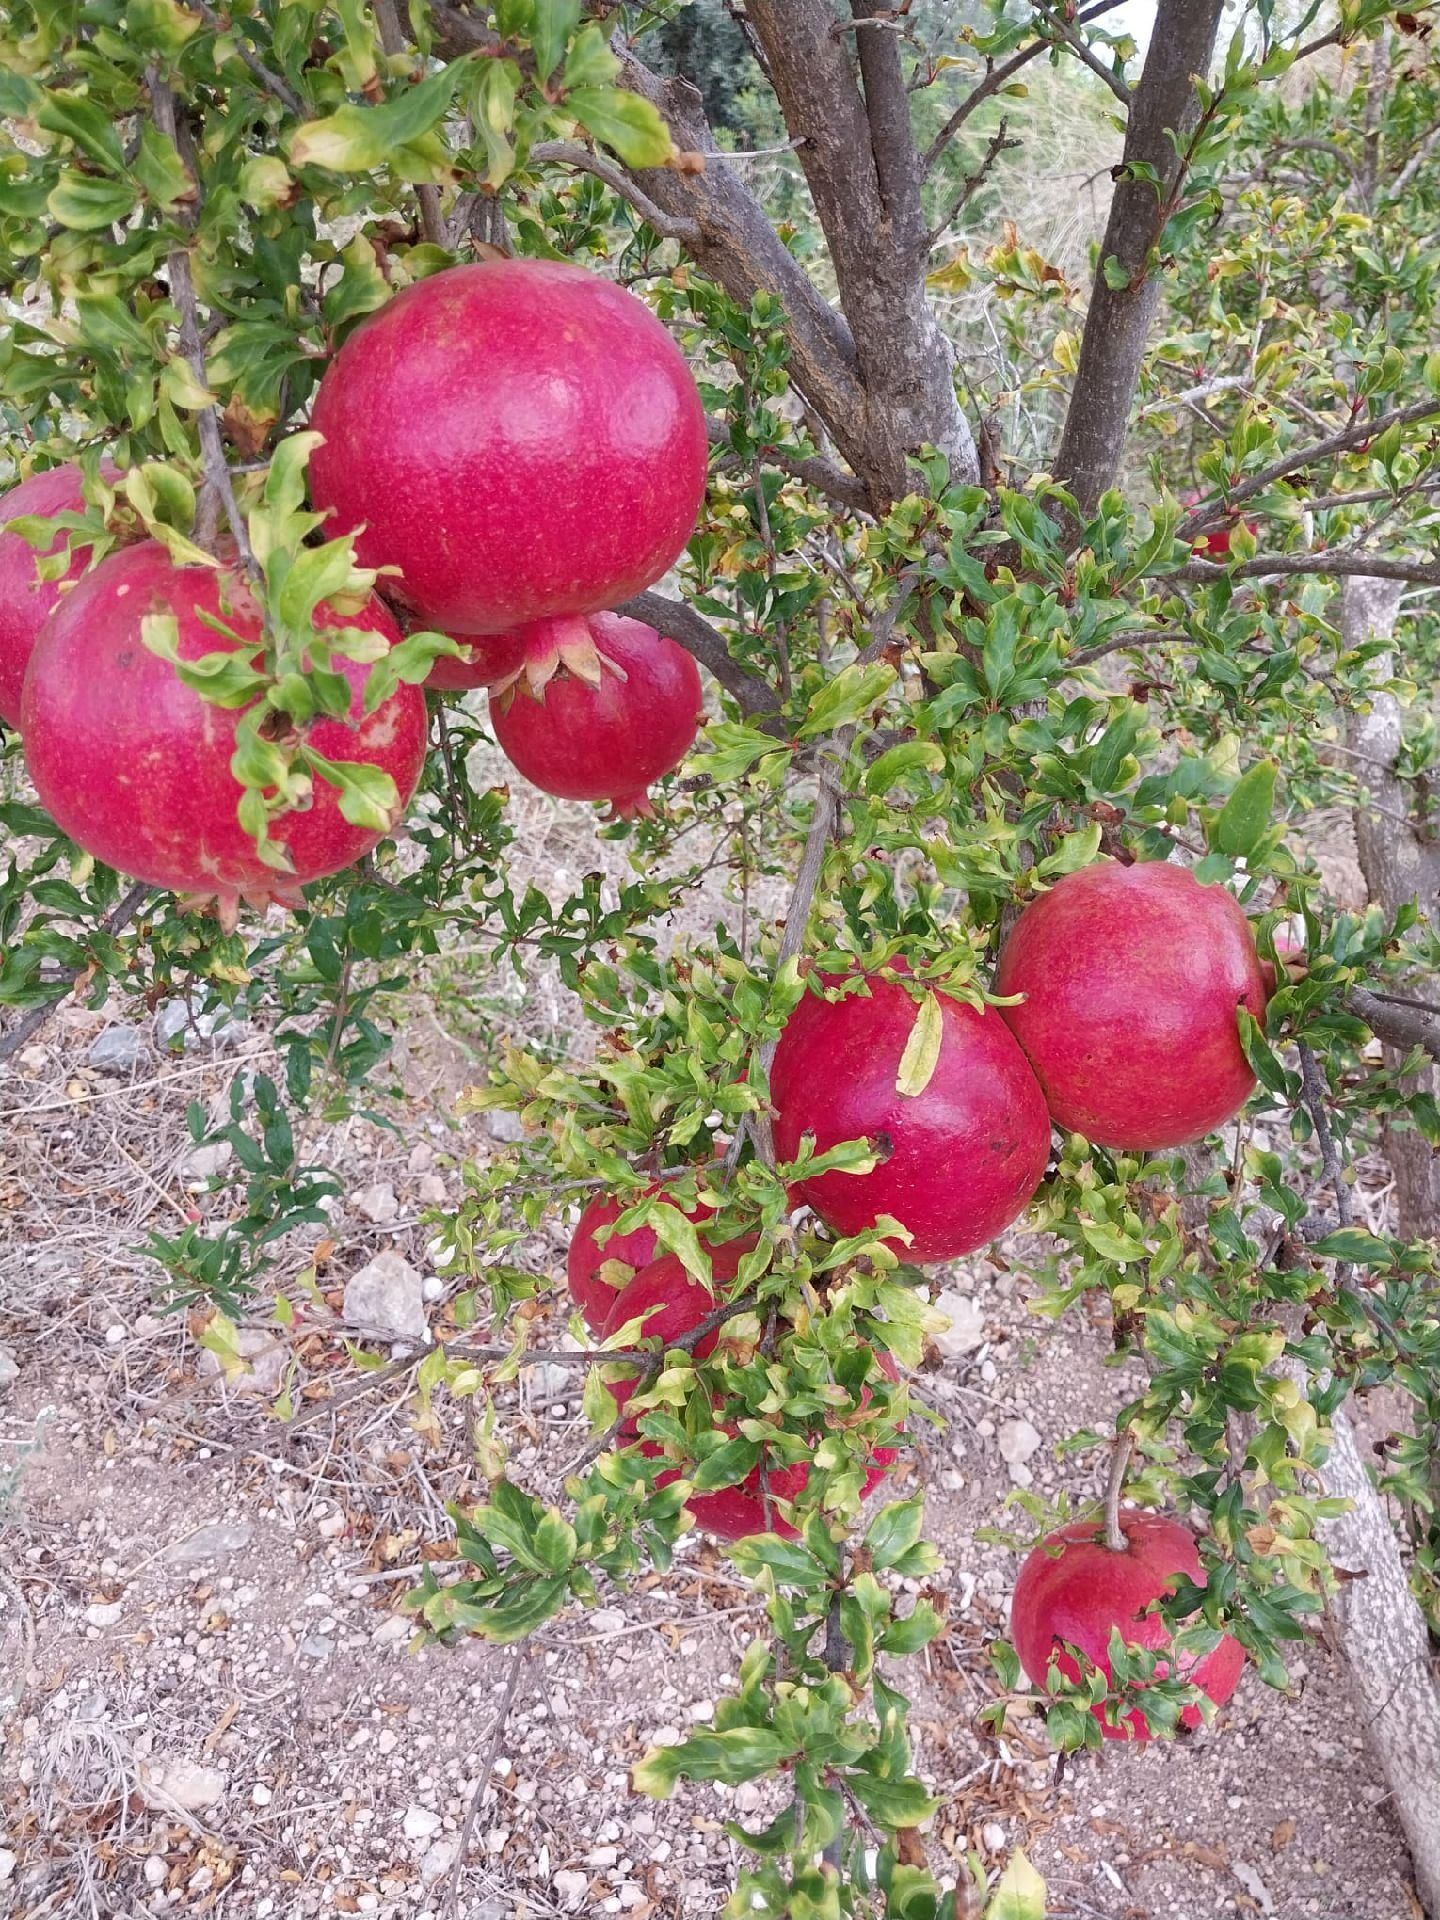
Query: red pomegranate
674, 1304
135, 767
25, 599
1214, 545
596, 1272
486, 660
520, 437
957, 1163
1074, 1589
602, 708
1132, 977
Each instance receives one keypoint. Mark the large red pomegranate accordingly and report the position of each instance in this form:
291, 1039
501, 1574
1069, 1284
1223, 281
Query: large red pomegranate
25, 599
520, 437
597, 1271
1073, 1588
957, 1163
602, 707
1132, 978
135, 767
674, 1303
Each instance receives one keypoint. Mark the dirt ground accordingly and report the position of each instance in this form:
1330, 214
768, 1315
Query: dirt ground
208, 1703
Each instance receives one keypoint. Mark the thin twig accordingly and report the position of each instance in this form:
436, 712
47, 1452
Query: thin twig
1315, 1106
392, 39
118, 918
518, 1663
1081, 48
569, 153
999, 142
272, 82
1116, 1538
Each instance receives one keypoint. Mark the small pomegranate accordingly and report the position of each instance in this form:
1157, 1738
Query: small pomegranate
1215, 545
135, 767
602, 708
520, 437
957, 1163
674, 1304
596, 1272
486, 660
1074, 1589
25, 599
1132, 977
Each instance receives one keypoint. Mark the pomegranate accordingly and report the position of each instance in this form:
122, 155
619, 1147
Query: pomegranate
25, 599
677, 1303
520, 437
1132, 977
957, 1162
1215, 545
597, 1270
1073, 1588
486, 660
135, 766
602, 707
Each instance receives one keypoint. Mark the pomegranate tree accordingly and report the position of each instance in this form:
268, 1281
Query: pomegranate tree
25, 599
956, 1162
597, 1269
1132, 977
601, 708
673, 1304
520, 438
1074, 1589
135, 766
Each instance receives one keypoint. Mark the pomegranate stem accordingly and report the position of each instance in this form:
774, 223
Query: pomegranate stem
1114, 1486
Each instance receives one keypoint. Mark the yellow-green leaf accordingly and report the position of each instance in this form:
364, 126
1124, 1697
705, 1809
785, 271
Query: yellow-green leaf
922, 1050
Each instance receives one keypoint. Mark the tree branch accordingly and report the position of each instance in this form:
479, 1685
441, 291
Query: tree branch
813, 468
394, 42
998, 145
1341, 441
692, 631
1397, 1025
1117, 326
272, 82
569, 153
1371, 565
1079, 46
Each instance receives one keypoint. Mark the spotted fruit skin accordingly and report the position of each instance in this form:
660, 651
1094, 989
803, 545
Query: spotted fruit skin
521, 438
592, 1293
26, 601
959, 1162
1073, 1589
135, 767
606, 741
1132, 977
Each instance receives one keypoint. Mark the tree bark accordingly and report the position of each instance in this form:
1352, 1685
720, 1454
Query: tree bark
1118, 324
1399, 865
1386, 1650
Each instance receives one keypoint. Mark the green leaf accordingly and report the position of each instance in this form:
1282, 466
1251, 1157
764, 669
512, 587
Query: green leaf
555, 23
368, 797
1020, 1894
737, 1754
1240, 824
86, 204
789, 1562
553, 1542
590, 63
852, 692
160, 170
1266, 1064
359, 139
894, 1531
922, 1625
922, 1050
86, 124
893, 1803
727, 1466
630, 126
896, 764
1353, 1243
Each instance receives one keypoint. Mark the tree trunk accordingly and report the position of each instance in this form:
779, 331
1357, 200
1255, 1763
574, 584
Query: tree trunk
1385, 1647
1399, 865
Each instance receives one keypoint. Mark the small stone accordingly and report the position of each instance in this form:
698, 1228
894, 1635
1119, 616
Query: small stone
330, 1526
602, 1857
34, 1060
265, 1356
420, 1823
118, 1050
747, 1797
966, 1330
985, 1428
505, 1127
316, 1646
1252, 1883
703, 1710
260, 1794
103, 1615
433, 1288
388, 1740
182, 1020
1020, 1474
1018, 1442
212, 1542
376, 1204
571, 1889
386, 1297
430, 1190
155, 1870
203, 1163
666, 1737
114, 1334
438, 1860
181, 1783
9, 1369
397, 1627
